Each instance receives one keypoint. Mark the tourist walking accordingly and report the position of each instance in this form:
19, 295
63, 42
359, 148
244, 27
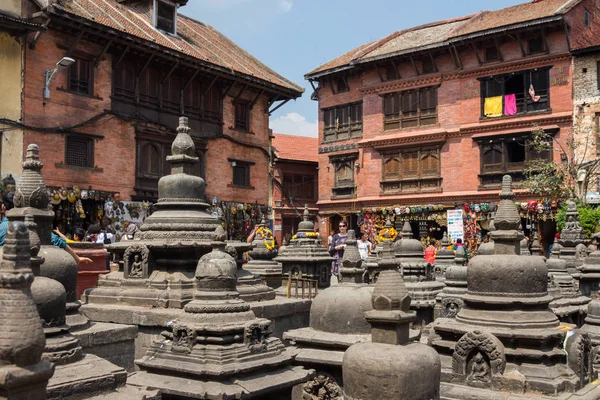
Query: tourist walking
430, 252
338, 244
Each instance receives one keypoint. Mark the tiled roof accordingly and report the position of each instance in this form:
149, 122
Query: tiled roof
194, 38
518, 14
442, 32
295, 148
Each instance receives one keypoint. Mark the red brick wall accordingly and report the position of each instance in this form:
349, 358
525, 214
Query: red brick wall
114, 154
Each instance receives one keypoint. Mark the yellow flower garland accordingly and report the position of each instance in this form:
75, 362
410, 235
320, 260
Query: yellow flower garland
305, 235
270, 246
268, 237
393, 234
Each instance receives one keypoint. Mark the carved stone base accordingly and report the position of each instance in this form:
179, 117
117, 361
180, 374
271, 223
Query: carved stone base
25, 383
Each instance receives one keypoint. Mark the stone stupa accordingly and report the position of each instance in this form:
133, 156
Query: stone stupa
31, 198
506, 342
588, 274
449, 301
217, 348
22, 342
305, 256
390, 367
487, 248
418, 276
443, 259
262, 263
77, 375
573, 240
159, 263
337, 320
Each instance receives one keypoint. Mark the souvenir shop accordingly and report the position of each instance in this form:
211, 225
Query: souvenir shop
238, 219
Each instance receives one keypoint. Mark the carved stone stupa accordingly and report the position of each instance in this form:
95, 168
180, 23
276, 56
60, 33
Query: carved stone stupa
337, 320
450, 300
159, 263
506, 338
262, 253
218, 348
443, 259
573, 239
31, 198
390, 367
24, 373
418, 275
305, 255
588, 274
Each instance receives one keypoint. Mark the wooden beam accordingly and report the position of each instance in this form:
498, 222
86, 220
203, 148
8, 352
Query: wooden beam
435, 68
274, 100
191, 79
226, 92
210, 85
74, 44
412, 61
278, 106
240, 93
523, 53
173, 68
476, 50
460, 65
102, 53
256, 98
566, 28
141, 71
395, 69
379, 72
331, 85
345, 79
37, 35
121, 58
498, 48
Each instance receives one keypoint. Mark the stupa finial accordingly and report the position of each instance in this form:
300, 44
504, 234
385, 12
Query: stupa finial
406, 230
506, 221
305, 214
31, 190
183, 143
351, 269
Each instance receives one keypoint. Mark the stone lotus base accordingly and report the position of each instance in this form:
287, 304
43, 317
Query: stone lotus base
86, 378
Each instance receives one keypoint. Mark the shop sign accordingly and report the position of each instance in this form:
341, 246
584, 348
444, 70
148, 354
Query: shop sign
455, 225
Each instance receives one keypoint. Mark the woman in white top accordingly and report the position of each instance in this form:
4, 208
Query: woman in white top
364, 246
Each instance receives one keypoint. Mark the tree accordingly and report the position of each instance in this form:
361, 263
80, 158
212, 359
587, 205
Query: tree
578, 164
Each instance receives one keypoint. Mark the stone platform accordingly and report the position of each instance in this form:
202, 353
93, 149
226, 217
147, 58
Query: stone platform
449, 391
285, 314
112, 342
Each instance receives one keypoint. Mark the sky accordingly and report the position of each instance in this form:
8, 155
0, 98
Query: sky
293, 37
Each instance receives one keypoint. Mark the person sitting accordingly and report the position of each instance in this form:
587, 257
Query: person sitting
55, 240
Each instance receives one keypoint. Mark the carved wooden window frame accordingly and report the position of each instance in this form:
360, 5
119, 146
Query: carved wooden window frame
344, 185
409, 173
410, 109
343, 122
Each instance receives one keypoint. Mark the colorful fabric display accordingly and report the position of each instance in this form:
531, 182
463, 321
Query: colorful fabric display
510, 104
492, 106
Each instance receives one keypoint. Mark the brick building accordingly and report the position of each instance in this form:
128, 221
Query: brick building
110, 117
295, 182
432, 117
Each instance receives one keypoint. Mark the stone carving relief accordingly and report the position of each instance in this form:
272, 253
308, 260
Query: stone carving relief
322, 387
184, 339
581, 356
450, 307
478, 358
137, 261
255, 336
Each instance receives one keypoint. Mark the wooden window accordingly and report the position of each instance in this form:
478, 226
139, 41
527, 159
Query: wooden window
587, 18
343, 166
506, 155
491, 53
150, 160
535, 45
241, 173
411, 170
212, 105
342, 122
80, 77
410, 109
299, 186
166, 16
518, 84
79, 151
124, 80
149, 85
242, 116
171, 94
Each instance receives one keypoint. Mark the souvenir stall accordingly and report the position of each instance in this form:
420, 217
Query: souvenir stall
238, 219
538, 218
74, 208
119, 214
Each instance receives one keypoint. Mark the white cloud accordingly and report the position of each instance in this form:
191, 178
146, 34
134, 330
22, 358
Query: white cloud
294, 124
285, 5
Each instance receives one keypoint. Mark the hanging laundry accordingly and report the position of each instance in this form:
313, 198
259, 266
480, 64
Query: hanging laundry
510, 104
492, 106
532, 93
